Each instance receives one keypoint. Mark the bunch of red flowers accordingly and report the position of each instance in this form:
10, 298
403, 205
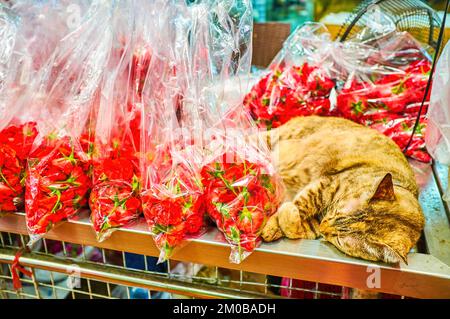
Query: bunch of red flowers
390, 105
240, 196
114, 198
15, 146
287, 92
400, 130
57, 182
382, 103
394, 93
174, 207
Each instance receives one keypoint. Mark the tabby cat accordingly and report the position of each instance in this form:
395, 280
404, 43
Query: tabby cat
348, 183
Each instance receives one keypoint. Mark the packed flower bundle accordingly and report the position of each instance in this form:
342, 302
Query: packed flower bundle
114, 199
287, 92
174, 206
390, 104
382, 85
57, 182
62, 96
115, 196
19, 60
15, 145
239, 197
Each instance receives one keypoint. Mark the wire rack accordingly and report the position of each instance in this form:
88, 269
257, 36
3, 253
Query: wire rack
87, 272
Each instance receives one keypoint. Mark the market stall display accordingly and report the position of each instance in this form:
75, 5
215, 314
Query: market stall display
140, 130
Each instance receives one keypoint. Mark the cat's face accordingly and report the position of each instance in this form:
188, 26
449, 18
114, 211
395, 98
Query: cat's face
381, 226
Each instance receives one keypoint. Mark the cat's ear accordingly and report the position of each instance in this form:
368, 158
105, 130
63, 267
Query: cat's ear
384, 189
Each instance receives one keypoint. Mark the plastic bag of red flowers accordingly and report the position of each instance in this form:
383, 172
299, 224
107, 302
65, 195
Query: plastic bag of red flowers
299, 81
171, 191
242, 191
240, 187
63, 94
17, 124
114, 199
24, 26
172, 200
378, 75
385, 88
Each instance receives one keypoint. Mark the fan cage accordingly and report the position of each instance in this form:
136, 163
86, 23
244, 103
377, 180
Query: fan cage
413, 16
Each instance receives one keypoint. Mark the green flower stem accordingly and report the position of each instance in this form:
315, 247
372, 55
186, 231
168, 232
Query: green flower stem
5, 180
58, 201
227, 184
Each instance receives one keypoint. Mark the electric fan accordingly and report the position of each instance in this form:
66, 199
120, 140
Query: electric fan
413, 16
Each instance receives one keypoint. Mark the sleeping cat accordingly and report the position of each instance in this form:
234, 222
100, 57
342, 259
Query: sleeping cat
348, 183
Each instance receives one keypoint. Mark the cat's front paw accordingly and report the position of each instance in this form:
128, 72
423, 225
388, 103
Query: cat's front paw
293, 225
272, 231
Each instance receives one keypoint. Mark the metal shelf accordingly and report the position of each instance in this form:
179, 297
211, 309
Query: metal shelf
427, 275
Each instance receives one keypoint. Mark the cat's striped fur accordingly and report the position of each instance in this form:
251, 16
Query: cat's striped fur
347, 183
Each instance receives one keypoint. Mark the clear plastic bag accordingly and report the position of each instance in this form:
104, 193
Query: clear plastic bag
171, 193
63, 93
370, 80
240, 187
29, 34
17, 128
437, 136
386, 89
114, 199
13, 142
242, 191
438, 132
300, 79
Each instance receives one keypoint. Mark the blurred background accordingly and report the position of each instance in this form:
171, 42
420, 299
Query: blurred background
297, 12
276, 19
